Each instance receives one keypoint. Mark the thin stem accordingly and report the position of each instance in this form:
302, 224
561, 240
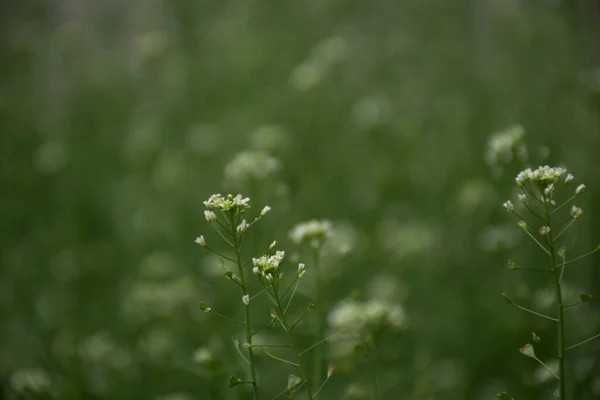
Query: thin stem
538, 243
283, 360
527, 309
246, 313
577, 258
322, 386
299, 319
533, 212
226, 317
375, 376
559, 309
534, 269
548, 368
292, 296
527, 222
563, 204
584, 342
318, 343
564, 229
320, 331
219, 254
223, 236
286, 328
526, 189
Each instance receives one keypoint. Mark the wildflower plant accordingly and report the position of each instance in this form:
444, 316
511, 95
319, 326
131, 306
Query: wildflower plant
315, 233
547, 224
226, 215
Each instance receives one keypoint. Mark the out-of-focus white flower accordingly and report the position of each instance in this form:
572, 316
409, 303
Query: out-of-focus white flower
580, 189
265, 210
523, 198
246, 299
569, 178
313, 231
272, 245
576, 212
34, 380
544, 230
251, 165
509, 206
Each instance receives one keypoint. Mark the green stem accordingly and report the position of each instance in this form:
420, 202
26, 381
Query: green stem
375, 372
320, 331
560, 308
246, 311
286, 328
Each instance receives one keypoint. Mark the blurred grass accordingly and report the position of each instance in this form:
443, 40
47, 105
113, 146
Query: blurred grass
118, 121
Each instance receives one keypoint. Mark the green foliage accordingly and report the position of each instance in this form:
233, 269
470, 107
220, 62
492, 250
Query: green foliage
119, 119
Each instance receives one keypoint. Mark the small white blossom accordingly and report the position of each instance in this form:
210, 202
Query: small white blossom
576, 212
200, 240
265, 210
242, 227
272, 245
509, 206
580, 189
210, 216
523, 198
569, 178
246, 299
256, 271
522, 225
269, 278
544, 230
301, 270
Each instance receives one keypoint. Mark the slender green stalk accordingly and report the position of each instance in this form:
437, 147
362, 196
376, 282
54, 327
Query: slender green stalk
320, 331
560, 308
236, 243
286, 328
375, 372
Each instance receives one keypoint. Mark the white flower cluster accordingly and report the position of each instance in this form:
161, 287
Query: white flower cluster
502, 145
542, 176
361, 317
216, 201
313, 232
34, 380
251, 165
265, 266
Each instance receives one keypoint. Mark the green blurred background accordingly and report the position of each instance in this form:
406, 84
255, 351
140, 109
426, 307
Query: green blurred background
119, 118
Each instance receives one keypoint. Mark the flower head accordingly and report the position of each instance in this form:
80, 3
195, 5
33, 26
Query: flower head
541, 177
266, 265
544, 230
242, 227
580, 189
313, 232
237, 203
246, 299
569, 178
200, 240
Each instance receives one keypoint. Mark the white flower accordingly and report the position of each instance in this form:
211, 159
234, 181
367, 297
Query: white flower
301, 270
522, 225
200, 240
265, 210
576, 212
544, 230
242, 227
523, 198
579, 189
311, 231
210, 216
569, 178
272, 245
509, 206
246, 299
255, 270
269, 278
